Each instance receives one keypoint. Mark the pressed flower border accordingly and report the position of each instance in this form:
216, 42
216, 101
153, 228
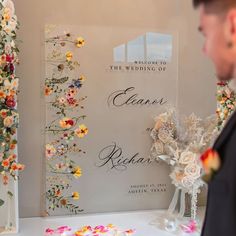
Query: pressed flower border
62, 93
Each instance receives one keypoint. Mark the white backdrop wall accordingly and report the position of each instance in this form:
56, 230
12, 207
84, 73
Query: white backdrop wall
196, 75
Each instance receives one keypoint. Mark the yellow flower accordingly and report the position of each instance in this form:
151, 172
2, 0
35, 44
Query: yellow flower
77, 172
82, 78
75, 195
79, 233
86, 229
81, 131
111, 226
69, 56
79, 42
6, 16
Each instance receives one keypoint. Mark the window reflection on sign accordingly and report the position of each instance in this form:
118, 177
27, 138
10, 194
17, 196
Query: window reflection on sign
146, 48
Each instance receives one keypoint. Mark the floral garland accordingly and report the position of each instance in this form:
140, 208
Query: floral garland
180, 143
62, 88
90, 231
226, 102
9, 117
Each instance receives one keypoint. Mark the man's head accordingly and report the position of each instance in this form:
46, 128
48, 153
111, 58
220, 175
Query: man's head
218, 25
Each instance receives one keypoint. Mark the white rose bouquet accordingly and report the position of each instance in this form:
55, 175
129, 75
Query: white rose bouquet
180, 143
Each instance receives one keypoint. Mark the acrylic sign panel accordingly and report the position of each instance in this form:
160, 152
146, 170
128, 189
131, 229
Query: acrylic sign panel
103, 88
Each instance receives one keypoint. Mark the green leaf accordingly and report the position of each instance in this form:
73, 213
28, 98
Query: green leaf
10, 194
1, 202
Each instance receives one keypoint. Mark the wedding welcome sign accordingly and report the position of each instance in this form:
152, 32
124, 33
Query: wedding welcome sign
103, 88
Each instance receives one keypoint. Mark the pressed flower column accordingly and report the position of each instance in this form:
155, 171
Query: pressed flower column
65, 126
9, 119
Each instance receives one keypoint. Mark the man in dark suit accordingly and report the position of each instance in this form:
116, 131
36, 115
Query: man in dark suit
218, 25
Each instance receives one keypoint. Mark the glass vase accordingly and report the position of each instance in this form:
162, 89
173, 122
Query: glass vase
8, 207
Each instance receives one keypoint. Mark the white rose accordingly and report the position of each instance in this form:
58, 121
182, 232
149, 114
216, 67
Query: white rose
159, 147
164, 136
187, 158
187, 182
193, 170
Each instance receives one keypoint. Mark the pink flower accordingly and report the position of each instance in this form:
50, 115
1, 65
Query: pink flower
63, 229
191, 227
49, 232
9, 58
10, 102
100, 229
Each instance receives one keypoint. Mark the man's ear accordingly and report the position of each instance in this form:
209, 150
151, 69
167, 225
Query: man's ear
231, 26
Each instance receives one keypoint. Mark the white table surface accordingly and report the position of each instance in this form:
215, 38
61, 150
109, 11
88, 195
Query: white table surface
139, 220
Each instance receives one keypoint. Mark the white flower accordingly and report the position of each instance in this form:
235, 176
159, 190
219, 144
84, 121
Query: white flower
11, 26
9, 7
159, 147
187, 157
8, 48
193, 170
187, 182
62, 100
164, 136
11, 85
8, 121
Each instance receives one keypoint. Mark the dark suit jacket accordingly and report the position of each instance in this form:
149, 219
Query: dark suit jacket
220, 219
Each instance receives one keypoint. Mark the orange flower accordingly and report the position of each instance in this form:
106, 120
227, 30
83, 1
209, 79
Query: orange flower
79, 233
3, 113
5, 179
14, 166
66, 123
6, 163
2, 94
12, 157
12, 146
11, 93
58, 193
211, 163
47, 91
63, 202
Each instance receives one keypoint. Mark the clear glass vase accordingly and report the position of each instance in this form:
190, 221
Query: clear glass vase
188, 205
